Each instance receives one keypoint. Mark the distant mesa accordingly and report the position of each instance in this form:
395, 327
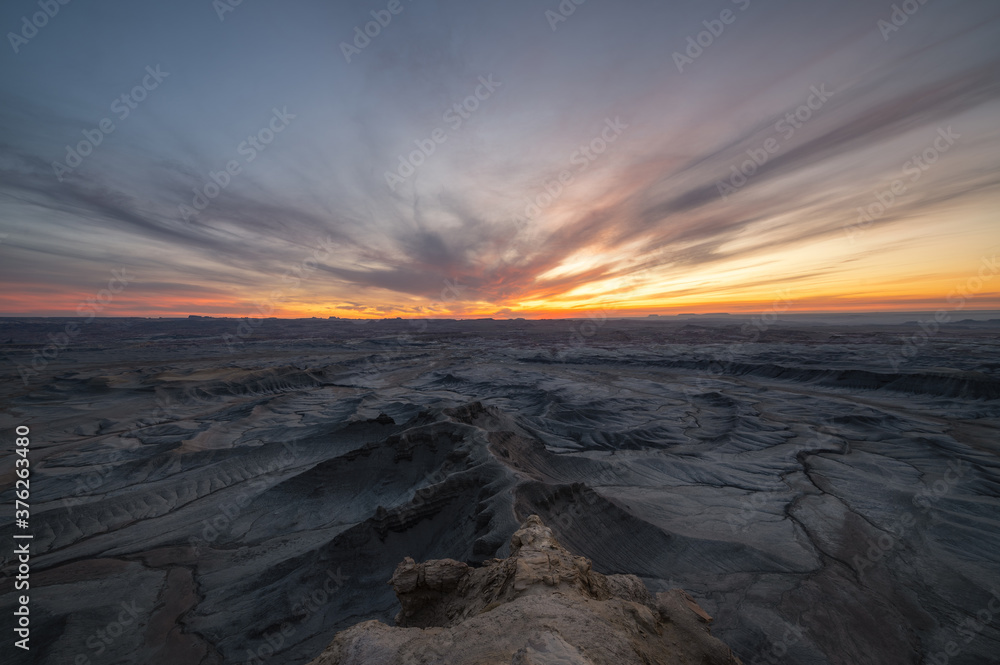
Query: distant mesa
540, 606
691, 315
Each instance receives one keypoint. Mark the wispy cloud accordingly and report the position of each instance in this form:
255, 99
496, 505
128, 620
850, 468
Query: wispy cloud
645, 221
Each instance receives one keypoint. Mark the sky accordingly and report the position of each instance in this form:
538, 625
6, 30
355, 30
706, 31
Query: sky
498, 159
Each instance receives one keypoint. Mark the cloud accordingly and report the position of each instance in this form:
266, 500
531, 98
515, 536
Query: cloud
649, 210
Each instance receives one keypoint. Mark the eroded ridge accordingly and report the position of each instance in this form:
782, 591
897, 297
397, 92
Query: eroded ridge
541, 605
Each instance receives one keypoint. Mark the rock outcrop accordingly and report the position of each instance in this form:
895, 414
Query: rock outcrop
540, 606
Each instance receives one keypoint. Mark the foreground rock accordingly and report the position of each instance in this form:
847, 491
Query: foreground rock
540, 606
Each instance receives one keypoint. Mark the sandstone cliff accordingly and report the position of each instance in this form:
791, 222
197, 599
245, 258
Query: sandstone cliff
540, 606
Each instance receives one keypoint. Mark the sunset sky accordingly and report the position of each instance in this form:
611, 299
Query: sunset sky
642, 125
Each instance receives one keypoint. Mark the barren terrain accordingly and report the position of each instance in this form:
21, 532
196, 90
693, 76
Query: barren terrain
826, 499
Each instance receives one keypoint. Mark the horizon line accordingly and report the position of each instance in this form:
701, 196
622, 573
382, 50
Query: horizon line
583, 314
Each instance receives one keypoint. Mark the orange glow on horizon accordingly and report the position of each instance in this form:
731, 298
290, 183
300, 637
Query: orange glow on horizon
788, 282
79, 304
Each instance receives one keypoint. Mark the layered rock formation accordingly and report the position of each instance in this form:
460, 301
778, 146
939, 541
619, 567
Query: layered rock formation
542, 605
